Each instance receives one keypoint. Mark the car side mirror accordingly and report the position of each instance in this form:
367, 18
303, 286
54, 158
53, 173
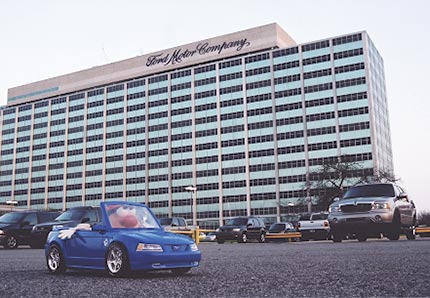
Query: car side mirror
85, 219
402, 196
336, 199
99, 228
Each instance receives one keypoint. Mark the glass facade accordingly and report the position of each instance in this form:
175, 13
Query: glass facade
245, 131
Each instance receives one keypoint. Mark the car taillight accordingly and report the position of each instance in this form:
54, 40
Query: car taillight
326, 224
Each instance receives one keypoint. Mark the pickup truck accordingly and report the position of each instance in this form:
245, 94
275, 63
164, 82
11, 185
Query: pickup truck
174, 224
314, 226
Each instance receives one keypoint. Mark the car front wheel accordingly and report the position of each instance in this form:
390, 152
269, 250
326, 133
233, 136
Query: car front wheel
243, 238
117, 261
55, 260
394, 229
337, 237
11, 242
262, 238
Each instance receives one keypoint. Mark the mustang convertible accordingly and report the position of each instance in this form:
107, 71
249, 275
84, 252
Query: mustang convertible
128, 238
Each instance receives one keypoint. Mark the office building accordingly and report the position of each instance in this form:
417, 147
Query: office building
241, 118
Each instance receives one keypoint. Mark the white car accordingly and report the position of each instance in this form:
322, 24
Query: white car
370, 210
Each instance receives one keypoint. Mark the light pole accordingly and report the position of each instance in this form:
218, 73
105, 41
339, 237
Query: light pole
192, 189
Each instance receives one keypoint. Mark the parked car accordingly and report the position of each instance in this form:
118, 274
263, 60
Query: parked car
281, 228
370, 210
128, 238
314, 226
174, 223
209, 237
70, 218
15, 227
242, 229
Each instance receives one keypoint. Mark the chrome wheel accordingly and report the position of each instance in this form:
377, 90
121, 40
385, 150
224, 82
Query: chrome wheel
55, 260
262, 238
11, 242
116, 260
243, 238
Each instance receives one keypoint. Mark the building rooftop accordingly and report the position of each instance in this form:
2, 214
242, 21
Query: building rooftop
221, 47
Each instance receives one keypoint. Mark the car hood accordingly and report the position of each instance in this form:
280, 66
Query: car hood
157, 236
6, 225
363, 200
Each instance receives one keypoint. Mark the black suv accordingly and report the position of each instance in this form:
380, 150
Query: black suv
70, 218
15, 227
242, 229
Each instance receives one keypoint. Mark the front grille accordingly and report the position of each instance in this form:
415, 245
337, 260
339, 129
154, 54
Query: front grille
356, 208
177, 248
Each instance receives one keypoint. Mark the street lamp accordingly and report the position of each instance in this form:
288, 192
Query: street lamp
192, 189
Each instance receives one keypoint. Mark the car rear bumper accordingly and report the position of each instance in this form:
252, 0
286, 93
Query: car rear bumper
315, 234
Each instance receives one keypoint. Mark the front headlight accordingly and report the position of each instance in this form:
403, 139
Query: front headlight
194, 247
334, 209
149, 247
1, 232
236, 230
380, 205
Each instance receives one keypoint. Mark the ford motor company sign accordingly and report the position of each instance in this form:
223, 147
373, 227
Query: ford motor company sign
179, 55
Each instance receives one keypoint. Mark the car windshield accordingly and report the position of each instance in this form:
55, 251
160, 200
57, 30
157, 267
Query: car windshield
237, 222
276, 228
130, 216
166, 221
12, 217
305, 217
371, 190
71, 215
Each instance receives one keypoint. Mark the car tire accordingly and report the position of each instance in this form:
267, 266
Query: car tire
243, 238
55, 260
395, 227
11, 242
262, 238
410, 232
220, 241
361, 237
116, 261
180, 271
336, 237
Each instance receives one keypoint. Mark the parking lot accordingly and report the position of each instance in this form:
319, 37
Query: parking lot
378, 267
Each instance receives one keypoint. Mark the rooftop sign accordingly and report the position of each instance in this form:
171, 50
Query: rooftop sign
179, 55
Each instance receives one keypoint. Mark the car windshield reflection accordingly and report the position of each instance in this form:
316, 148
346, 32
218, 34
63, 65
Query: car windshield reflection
237, 222
276, 228
130, 216
363, 191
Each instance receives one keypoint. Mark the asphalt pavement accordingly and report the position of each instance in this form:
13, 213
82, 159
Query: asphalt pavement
375, 268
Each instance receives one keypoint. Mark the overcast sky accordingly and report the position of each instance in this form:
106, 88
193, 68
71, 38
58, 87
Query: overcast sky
43, 39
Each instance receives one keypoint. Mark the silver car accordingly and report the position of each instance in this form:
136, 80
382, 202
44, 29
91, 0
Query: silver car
370, 210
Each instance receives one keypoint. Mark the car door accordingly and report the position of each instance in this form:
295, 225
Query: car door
26, 225
87, 248
253, 229
405, 206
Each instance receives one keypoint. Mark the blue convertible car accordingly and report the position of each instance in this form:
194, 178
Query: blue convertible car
128, 238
